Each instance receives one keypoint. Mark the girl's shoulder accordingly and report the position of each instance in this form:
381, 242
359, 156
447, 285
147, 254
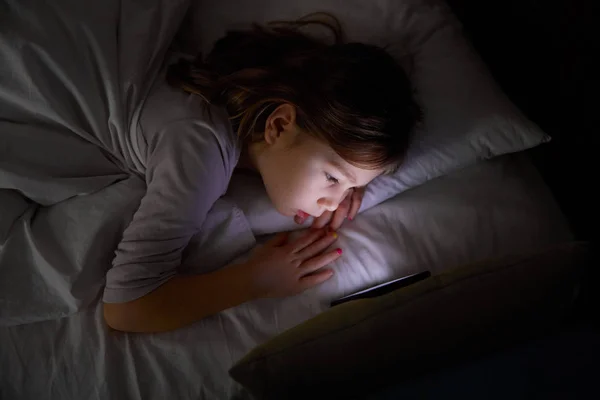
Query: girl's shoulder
171, 112
165, 105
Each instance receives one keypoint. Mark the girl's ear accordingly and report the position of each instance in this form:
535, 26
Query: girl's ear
281, 120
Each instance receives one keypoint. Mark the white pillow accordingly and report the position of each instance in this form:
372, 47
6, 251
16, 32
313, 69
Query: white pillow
467, 117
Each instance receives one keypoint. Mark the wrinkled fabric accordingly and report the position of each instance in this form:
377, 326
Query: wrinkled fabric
97, 153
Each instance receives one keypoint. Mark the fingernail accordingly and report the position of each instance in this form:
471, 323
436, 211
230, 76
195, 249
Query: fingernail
335, 235
339, 251
350, 218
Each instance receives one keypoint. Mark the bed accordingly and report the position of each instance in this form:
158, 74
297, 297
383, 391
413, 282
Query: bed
54, 341
78, 357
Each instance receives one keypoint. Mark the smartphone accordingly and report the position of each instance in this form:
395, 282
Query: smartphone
383, 288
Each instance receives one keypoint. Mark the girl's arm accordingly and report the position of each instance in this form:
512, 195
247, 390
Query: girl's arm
187, 171
181, 301
279, 268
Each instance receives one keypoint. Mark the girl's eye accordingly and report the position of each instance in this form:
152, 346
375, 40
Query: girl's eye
331, 179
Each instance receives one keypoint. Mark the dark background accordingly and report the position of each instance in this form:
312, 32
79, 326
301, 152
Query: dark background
540, 52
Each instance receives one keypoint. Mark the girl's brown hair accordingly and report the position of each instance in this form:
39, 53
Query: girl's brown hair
352, 96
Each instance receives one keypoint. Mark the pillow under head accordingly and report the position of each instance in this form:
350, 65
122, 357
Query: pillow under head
467, 118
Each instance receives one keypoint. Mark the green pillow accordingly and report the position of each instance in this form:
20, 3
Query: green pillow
465, 310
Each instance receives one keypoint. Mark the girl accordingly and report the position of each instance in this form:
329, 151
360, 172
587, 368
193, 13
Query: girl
317, 121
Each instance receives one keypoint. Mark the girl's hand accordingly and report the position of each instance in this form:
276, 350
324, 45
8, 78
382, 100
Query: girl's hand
348, 208
280, 269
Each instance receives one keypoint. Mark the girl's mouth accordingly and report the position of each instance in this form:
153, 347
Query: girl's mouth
302, 214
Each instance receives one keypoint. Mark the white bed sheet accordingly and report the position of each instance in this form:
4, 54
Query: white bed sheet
495, 207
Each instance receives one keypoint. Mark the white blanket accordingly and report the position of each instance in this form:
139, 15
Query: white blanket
73, 78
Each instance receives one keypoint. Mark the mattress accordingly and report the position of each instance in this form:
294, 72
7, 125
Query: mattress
495, 207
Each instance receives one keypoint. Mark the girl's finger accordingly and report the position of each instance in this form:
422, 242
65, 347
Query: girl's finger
357, 197
306, 240
323, 220
319, 262
317, 247
340, 214
315, 278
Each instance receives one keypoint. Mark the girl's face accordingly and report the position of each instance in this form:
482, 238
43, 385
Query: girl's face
300, 173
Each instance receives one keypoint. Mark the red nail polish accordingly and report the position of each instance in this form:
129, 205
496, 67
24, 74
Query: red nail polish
339, 251
350, 218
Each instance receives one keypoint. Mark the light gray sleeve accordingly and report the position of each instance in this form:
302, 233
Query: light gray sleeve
187, 171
